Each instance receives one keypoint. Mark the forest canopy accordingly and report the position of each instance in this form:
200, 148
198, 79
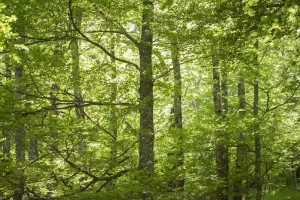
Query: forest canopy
149, 99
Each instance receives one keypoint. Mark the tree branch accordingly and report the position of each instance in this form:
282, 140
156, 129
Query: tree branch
95, 43
268, 109
124, 32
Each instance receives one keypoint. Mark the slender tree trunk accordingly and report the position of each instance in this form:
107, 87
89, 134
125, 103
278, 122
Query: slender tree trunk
222, 164
224, 92
113, 118
146, 133
178, 182
57, 55
258, 178
6, 142
33, 147
33, 141
76, 77
113, 110
241, 155
53, 132
78, 99
20, 131
74, 46
19, 137
224, 137
54, 109
6, 134
291, 179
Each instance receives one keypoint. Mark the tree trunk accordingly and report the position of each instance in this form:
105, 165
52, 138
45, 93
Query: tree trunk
113, 117
241, 155
178, 182
19, 137
33, 141
76, 78
258, 179
6, 134
224, 153
6, 142
291, 179
113, 110
74, 46
222, 164
257, 150
146, 133
33, 147
57, 56
224, 92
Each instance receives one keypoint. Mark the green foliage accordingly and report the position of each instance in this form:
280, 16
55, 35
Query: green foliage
88, 149
5, 28
283, 194
167, 3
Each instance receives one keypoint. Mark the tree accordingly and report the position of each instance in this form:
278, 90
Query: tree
220, 106
20, 131
143, 99
146, 135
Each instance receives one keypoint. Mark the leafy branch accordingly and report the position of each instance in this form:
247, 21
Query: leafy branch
95, 43
269, 108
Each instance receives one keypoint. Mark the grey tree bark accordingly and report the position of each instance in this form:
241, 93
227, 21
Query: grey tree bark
113, 109
76, 78
256, 128
33, 147
240, 186
19, 137
222, 161
146, 133
20, 132
57, 57
6, 142
54, 109
6, 134
33, 140
178, 182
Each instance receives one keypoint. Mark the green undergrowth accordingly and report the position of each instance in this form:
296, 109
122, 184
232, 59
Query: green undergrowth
284, 194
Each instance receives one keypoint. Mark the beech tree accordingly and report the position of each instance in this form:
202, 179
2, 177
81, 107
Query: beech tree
144, 99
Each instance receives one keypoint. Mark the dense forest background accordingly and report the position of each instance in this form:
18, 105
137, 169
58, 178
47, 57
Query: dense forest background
149, 99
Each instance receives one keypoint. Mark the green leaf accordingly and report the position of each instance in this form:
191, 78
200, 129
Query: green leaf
167, 3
